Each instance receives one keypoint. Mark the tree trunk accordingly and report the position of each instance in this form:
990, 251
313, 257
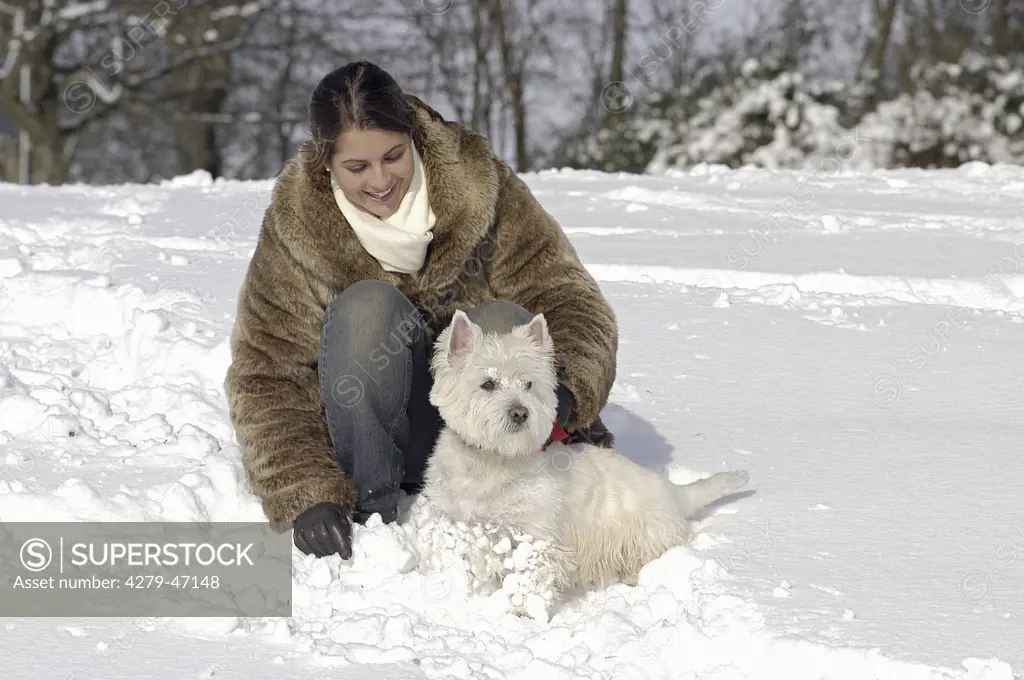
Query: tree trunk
873, 59
197, 139
199, 91
481, 108
620, 10
513, 72
9, 159
617, 67
48, 164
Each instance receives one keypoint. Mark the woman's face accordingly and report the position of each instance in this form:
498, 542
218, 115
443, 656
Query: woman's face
374, 169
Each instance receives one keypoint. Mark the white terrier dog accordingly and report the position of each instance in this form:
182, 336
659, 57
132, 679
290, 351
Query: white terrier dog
603, 516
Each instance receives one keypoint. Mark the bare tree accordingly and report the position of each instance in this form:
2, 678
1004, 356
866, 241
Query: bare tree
512, 66
1006, 25
872, 62
86, 62
200, 88
619, 29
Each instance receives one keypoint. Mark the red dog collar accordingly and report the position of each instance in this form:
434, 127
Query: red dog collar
558, 434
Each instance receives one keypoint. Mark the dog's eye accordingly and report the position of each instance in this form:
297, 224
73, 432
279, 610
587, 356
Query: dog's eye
488, 385
529, 384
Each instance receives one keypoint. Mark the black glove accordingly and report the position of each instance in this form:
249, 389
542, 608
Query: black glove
566, 403
322, 530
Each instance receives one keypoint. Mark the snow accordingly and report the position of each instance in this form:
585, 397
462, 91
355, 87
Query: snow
231, 10
946, 114
853, 340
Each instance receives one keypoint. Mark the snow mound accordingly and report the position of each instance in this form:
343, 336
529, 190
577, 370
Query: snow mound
116, 307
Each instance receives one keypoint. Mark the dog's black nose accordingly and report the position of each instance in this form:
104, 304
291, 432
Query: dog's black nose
518, 414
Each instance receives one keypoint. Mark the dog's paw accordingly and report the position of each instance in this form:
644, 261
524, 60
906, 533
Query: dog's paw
535, 574
524, 573
526, 599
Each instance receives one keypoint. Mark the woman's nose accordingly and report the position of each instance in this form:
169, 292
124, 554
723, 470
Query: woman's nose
380, 179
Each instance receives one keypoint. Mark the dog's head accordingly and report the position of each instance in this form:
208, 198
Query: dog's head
497, 391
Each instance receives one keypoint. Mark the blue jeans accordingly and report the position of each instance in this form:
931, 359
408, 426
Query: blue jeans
375, 379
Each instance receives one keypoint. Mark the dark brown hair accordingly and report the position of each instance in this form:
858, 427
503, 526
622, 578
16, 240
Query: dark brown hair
359, 95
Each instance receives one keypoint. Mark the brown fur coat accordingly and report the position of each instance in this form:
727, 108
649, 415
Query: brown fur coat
492, 240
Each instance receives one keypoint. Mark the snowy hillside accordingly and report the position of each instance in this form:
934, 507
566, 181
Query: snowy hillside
855, 343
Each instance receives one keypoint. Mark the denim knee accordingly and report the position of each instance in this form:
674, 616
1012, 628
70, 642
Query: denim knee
364, 345
499, 316
368, 313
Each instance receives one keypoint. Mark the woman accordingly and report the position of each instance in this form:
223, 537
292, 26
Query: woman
388, 220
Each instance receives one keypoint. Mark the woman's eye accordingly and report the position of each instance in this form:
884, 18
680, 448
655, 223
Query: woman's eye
488, 385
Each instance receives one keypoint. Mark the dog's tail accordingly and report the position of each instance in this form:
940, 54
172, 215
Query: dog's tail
703, 492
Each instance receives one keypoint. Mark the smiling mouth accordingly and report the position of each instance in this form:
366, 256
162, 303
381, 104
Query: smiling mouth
383, 197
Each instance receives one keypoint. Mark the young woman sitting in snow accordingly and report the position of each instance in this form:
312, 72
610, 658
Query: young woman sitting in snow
388, 220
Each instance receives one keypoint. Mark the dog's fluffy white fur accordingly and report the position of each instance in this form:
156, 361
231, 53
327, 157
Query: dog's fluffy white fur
603, 516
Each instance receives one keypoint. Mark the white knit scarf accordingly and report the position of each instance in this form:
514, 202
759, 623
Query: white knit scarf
399, 242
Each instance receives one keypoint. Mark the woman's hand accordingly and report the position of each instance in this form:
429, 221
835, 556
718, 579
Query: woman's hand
324, 529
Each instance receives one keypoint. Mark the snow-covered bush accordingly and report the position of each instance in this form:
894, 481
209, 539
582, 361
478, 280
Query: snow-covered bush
622, 144
767, 116
953, 113
627, 140
770, 115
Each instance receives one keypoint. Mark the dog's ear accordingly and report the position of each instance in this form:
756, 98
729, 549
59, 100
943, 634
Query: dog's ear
537, 330
461, 336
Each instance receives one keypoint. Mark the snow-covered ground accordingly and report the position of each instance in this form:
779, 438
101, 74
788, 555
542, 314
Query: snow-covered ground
854, 342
